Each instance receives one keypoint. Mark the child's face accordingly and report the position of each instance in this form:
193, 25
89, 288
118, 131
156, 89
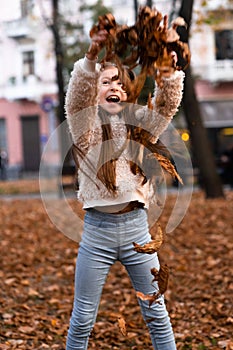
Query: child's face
111, 93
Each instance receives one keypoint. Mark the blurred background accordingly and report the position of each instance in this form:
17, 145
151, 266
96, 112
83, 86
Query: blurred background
41, 39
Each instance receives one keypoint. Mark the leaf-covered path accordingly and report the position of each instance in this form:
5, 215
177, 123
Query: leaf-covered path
36, 282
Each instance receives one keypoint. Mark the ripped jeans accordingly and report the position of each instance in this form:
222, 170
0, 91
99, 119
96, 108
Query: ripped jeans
106, 239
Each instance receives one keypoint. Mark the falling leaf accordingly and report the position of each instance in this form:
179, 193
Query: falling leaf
178, 22
153, 246
151, 298
162, 277
167, 165
148, 248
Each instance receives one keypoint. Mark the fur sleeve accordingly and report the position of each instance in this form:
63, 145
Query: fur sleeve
81, 97
168, 98
166, 101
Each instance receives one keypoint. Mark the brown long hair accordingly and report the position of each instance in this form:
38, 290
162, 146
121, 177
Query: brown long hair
138, 141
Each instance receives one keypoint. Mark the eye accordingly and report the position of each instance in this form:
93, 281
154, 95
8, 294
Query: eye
105, 82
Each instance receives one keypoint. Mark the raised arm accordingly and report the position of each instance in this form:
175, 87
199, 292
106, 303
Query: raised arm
165, 103
82, 91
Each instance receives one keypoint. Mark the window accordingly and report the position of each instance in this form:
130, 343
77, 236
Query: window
28, 63
3, 142
24, 10
224, 44
26, 7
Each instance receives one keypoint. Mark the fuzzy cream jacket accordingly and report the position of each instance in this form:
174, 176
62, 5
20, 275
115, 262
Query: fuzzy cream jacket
85, 126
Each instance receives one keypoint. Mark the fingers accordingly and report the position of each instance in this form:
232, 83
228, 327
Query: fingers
164, 28
174, 57
97, 43
165, 23
100, 37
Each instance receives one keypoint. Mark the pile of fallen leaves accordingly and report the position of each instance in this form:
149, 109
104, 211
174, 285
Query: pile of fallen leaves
19, 187
37, 270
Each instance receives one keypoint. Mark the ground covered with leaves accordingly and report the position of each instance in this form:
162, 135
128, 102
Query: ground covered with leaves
37, 270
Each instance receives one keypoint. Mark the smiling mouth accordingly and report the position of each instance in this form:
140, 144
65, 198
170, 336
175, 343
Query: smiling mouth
113, 99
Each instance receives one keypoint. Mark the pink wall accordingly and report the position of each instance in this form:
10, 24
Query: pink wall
207, 91
11, 112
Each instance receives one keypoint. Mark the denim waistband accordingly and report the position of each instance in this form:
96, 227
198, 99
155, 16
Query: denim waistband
115, 217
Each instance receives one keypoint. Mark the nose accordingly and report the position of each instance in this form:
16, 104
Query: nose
114, 86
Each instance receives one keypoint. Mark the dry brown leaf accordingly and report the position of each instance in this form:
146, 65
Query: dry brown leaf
178, 22
151, 298
229, 345
162, 277
148, 248
198, 294
122, 325
149, 42
26, 329
167, 165
153, 246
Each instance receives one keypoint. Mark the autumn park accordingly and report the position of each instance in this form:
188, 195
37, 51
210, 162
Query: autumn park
171, 159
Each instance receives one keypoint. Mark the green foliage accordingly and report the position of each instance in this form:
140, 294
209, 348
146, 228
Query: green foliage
218, 16
204, 3
214, 17
98, 9
74, 40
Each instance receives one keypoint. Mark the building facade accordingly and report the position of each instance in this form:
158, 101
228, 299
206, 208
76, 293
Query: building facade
27, 86
212, 65
28, 89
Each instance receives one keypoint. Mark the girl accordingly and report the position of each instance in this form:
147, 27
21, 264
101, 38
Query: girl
114, 187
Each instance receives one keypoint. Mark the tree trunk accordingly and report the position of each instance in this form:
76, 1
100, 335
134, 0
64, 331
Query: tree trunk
201, 148
135, 9
64, 139
59, 61
149, 3
200, 144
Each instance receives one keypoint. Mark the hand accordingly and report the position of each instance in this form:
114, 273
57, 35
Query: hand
98, 40
167, 70
174, 58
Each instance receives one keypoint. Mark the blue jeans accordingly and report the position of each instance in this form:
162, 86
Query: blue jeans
106, 239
